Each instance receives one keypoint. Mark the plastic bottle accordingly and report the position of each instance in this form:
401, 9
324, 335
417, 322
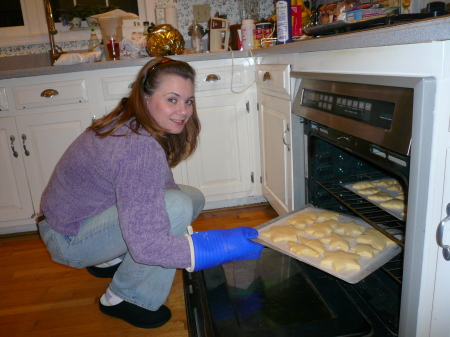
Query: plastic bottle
94, 43
146, 26
284, 21
102, 48
196, 39
247, 31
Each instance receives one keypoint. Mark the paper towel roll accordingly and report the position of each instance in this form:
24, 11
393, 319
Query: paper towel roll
171, 16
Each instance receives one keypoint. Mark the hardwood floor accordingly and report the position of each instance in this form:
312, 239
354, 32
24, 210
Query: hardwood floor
41, 298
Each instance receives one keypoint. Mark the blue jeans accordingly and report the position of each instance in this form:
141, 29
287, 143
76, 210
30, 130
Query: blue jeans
100, 240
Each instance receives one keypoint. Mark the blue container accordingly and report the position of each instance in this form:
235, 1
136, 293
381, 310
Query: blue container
284, 21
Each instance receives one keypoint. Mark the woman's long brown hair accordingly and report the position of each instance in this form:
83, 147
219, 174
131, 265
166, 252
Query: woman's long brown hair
134, 109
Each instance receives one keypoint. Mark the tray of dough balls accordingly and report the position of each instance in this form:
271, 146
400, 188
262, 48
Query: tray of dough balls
341, 245
387, 194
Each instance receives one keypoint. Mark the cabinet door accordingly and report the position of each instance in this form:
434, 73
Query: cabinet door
275, 154
44, 138
15, 199
220, 167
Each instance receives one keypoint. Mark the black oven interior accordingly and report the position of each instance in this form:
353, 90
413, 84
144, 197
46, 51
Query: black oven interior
335, 160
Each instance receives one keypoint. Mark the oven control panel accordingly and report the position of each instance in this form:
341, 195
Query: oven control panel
370, 111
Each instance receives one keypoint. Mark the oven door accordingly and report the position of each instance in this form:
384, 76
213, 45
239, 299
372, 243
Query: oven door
274, 295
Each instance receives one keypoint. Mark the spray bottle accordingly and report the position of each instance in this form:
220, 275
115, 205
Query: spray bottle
284, 21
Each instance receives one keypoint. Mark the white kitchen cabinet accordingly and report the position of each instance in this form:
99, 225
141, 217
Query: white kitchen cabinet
48, 135
15, 197
226, 161
44, 115
275, 135
221, 164
39, 141
276, 159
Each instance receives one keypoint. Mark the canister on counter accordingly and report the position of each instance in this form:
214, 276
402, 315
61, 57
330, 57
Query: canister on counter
247, 28
263, 35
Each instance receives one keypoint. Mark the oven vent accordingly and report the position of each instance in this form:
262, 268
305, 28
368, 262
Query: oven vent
384, 153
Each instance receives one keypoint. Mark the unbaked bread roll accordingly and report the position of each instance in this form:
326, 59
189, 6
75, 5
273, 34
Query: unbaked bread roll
336, 240
394, 204
364, 250
302, 220
350, 228
319, 229
385, 182
324, 216
380, 196
375, 238
301, 249
283, 233
369, 191
339, 260
362, 184
314, 244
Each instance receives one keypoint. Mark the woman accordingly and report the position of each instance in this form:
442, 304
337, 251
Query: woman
111, 204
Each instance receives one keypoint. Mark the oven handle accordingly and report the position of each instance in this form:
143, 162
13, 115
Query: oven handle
284, 138
440, 235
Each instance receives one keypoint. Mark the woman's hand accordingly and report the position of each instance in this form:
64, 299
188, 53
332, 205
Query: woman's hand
215, 247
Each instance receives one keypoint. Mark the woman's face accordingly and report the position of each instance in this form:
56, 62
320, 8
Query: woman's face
172, 104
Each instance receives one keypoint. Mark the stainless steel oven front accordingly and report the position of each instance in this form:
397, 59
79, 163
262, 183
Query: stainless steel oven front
352, 128
360, 128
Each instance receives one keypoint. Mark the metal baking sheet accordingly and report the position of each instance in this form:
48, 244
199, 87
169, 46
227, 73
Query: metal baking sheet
368, 265
398, 213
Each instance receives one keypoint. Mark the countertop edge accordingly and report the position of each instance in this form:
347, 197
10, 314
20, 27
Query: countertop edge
423, 31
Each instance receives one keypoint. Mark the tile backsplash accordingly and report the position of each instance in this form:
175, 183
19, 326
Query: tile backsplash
185, 19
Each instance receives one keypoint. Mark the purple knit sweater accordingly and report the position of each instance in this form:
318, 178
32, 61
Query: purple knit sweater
131, 172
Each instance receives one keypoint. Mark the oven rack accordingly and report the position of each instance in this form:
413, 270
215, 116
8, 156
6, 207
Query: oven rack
386, 223
372, 214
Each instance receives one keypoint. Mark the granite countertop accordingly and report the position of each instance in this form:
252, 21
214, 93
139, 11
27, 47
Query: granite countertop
427, 30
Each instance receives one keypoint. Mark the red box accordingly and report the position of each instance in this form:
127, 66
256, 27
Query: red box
296, 11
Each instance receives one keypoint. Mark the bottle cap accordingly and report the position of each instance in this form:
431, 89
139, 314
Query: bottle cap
248, 22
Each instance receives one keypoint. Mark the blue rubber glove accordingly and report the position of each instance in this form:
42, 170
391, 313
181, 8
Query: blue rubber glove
215, 247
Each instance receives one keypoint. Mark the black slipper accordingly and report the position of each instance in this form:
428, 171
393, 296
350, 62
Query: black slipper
107, 272
137, 316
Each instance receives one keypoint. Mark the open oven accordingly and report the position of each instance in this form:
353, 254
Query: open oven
355, 128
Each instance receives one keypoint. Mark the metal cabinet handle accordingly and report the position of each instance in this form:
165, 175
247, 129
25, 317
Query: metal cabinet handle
15, 154
284, 138
440, 234
48, 93
212, 78
24, 138
266, 76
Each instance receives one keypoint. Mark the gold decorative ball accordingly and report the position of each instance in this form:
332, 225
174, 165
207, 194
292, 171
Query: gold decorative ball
164, 40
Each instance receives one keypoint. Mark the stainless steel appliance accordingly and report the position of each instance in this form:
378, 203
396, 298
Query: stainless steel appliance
355, 128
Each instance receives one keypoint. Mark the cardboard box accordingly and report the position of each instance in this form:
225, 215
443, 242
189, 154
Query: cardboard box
296, 13
365, 14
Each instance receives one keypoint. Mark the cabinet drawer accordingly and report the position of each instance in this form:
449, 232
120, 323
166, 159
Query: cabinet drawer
219, 78
274, 78
117, 87
49, 94
3, 101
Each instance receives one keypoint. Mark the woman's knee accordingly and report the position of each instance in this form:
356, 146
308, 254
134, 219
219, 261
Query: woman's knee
180, 209
197, 197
